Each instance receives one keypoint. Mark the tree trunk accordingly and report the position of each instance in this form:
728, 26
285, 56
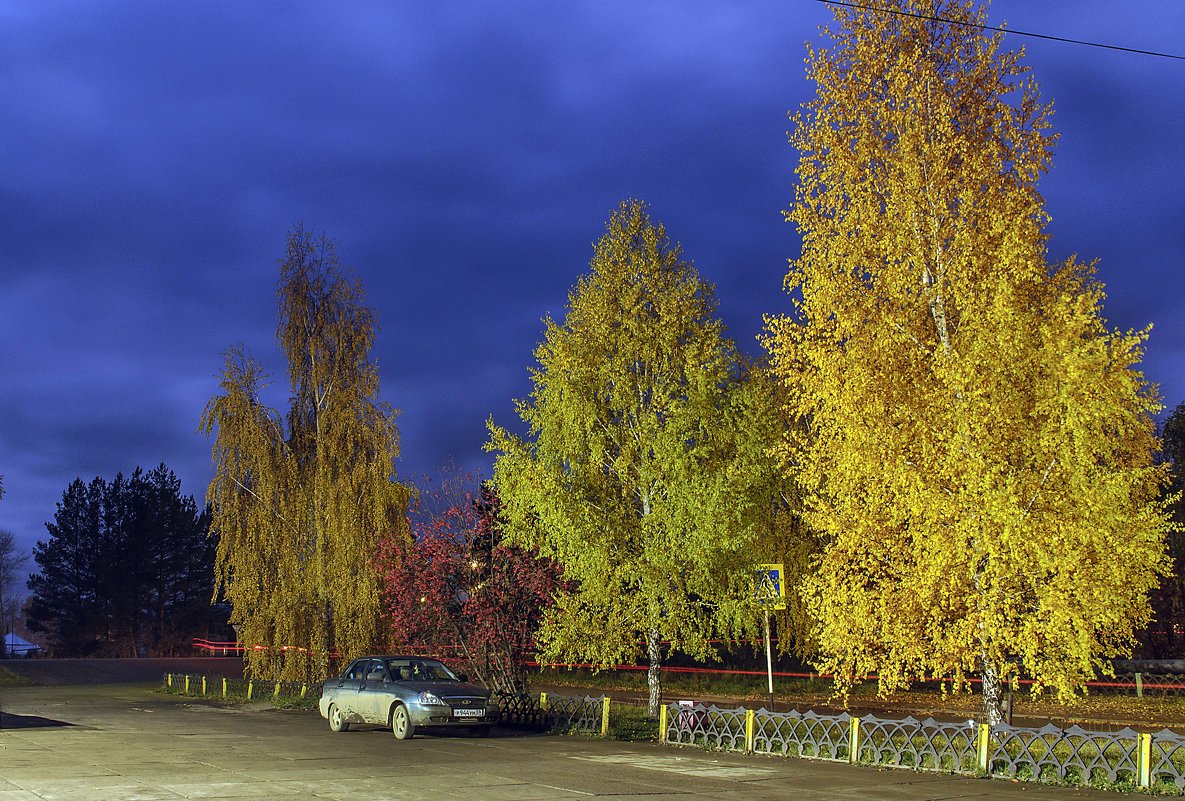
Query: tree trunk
653, 679
324, 660
993, 707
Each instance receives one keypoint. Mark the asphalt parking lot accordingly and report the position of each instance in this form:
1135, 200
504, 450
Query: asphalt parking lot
124, 741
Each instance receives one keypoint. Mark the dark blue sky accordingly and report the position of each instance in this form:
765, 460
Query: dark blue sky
464, 156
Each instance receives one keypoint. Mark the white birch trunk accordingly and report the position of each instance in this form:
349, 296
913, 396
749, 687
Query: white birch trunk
653, 680
993, 707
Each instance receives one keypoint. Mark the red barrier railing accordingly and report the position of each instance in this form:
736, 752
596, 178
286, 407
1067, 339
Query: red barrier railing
238, 648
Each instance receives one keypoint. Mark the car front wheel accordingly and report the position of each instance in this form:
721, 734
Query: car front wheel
401, 724
336, 721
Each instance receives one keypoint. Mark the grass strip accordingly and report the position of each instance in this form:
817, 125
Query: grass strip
10, 679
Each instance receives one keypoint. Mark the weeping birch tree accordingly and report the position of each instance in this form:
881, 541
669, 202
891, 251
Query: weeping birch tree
300, 501
644, 474
979, 459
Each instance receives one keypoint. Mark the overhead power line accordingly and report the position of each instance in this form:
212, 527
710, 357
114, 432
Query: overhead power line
981, 26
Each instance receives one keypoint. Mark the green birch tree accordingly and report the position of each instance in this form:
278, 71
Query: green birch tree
300, 501
644, 474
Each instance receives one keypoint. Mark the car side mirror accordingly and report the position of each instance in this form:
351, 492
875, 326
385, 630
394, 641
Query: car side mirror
375, 675
463, 676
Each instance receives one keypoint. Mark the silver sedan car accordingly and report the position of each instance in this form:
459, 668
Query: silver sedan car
404, 693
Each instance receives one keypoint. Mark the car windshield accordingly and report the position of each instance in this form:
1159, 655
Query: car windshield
419, 670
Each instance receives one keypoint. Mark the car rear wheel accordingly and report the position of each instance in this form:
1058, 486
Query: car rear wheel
336, 721
401, 724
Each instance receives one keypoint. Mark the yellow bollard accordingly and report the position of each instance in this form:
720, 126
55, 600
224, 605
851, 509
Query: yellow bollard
224, 686
750, 726
605, 716
543, 701
664, 719
854, 741
203, 686
169, 679
276, 692
187, 684
304, 688
250, 689
985, 736
1144, 760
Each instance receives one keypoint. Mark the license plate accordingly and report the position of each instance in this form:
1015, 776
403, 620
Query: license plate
469, 713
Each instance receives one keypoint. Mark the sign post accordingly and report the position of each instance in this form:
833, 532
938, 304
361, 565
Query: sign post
770, 592
769, 663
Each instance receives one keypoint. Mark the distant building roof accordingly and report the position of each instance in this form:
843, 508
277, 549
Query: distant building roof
16, 645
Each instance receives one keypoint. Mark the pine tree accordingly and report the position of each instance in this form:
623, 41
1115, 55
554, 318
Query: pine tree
980, 452
69, 599
126, 571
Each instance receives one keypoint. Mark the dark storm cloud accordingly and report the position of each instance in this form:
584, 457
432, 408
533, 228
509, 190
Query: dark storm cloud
464, 156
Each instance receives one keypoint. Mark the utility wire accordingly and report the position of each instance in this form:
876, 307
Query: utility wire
981, 26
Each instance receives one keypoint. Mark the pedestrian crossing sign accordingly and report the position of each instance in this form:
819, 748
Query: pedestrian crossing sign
770, 587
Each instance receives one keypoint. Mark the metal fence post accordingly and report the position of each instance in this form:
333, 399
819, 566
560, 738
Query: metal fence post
750, 726
1144, 760
982, 746
663, 721
605, 716
854, 741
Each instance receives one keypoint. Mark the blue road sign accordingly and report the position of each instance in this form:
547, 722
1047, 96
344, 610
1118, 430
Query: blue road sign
769, 587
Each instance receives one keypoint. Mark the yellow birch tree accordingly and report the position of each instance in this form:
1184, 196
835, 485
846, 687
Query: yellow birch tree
299, 501
979, 456
645, 474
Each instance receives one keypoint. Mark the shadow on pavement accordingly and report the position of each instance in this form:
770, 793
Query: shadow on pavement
497, 733
9, 721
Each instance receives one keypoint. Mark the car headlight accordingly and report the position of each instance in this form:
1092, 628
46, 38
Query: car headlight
428, 698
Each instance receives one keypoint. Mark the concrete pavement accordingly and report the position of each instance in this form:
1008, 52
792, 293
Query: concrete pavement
127, 742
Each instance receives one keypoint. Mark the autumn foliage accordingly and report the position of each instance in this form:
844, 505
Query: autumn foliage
300, 500
951, 450
456, 591
979, 456
645, 472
